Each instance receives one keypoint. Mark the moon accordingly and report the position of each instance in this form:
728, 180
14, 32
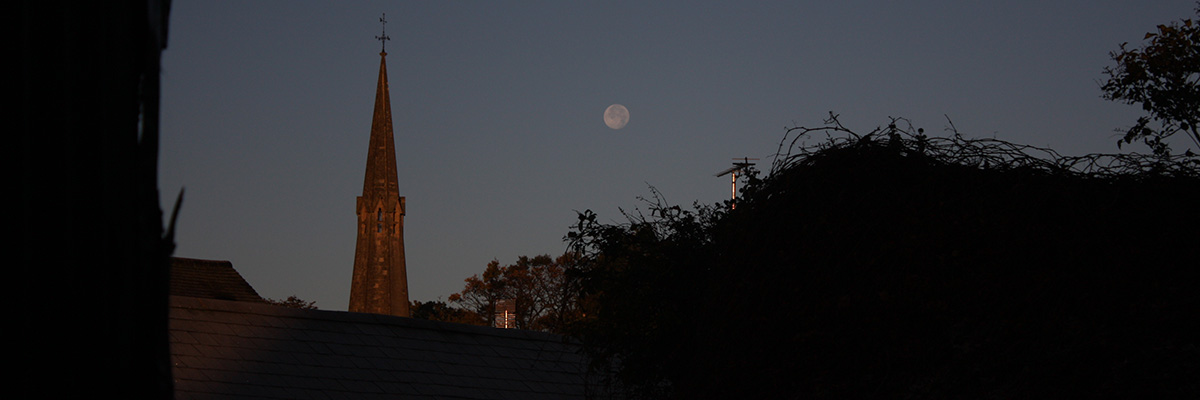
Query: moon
616, 116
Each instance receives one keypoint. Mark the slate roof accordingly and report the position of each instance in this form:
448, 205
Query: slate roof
213, 279
227, 349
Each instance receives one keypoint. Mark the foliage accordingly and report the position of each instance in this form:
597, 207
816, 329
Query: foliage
986, 154
893, 264
440, 311
1164, 77
294, 302
542, 294
640, 287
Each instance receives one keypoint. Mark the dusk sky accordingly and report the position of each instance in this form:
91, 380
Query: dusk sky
498, 109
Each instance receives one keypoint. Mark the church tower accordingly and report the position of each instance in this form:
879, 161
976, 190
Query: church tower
380, 282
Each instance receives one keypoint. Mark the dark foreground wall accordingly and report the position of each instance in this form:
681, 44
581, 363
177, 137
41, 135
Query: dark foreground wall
89, 276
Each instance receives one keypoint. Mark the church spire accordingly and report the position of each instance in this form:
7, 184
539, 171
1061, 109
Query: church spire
381, 155
380, 282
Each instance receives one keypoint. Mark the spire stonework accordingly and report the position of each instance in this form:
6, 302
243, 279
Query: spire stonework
380, 282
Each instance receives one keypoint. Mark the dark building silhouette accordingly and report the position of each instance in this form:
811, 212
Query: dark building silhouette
380, 283
226, 343
89, 261
213, 279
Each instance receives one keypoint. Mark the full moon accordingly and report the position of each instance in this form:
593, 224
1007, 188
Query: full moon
616, 116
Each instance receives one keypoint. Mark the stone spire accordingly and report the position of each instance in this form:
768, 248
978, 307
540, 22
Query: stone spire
380, 282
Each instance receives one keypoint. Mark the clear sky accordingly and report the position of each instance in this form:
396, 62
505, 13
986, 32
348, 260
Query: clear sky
498, 110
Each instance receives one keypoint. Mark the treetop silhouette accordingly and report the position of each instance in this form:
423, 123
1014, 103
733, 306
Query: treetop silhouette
893, 264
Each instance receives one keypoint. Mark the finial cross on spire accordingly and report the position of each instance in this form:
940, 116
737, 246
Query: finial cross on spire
382, 37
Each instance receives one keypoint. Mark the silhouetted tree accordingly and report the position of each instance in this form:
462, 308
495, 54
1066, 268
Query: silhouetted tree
294, 302
645, 287
894, 265
538, 286
440, 311
1164, 77
559, 294
481, 293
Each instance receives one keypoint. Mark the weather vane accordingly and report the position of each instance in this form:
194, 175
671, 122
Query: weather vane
383, 36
